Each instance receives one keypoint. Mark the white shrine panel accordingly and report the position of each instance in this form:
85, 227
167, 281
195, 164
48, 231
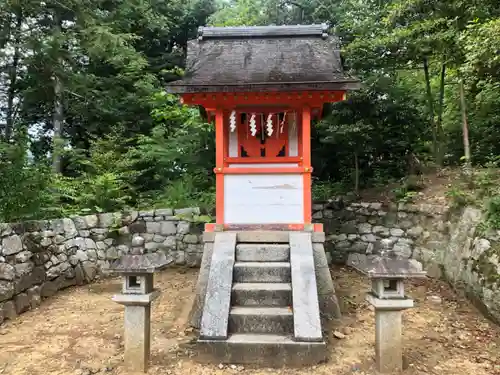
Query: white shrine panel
263, 198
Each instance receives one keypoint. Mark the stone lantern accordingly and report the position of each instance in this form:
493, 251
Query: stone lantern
387, 275
137, 294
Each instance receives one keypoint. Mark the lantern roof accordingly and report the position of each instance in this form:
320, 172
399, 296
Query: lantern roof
263, 58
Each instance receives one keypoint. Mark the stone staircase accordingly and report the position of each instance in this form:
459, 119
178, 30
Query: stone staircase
260, 327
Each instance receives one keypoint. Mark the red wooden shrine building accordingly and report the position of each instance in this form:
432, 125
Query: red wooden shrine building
262, 86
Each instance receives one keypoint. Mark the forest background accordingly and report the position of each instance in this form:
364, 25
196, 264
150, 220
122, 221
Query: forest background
86, 126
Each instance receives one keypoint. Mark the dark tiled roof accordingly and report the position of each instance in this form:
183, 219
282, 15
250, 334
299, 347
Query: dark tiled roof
376, 266
263, 58
147, 263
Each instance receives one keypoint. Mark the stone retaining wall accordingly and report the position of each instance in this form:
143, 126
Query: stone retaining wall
450, 244
406, 230
38, 258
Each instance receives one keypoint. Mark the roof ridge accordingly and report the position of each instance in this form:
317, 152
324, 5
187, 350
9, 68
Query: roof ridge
244, 32
264, 58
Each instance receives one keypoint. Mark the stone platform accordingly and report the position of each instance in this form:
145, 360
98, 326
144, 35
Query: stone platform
261, 296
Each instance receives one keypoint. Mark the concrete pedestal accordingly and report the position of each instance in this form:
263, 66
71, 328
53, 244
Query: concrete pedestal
388, 345
137, 337
137, 329
388, 332
137, 295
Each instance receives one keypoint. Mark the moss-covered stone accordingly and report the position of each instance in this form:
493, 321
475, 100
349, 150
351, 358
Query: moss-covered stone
486, 267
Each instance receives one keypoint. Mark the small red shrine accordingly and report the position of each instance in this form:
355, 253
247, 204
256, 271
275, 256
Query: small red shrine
262, 86
264, 282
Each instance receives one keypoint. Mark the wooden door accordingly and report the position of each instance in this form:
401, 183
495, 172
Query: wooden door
263, 145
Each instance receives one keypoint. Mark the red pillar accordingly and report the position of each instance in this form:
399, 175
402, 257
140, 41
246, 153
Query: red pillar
306, 163
219, 166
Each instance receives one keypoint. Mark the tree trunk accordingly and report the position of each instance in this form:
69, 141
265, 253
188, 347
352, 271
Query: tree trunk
58, 117
414, 165
430, 104
465, 128
439, 124
356, 173
58, 125
13, 71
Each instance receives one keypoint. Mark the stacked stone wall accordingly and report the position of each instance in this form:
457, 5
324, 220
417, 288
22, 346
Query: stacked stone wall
373, 228
451, 244
38, 258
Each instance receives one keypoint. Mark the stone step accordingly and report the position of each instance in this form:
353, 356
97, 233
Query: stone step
262, 350
277, 320
271, 236
261, 272
262, 253
262, 236
262, 294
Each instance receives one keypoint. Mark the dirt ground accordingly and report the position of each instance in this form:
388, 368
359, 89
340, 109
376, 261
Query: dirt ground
80, 332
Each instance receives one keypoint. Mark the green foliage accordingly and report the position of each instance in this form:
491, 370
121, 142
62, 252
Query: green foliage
459, 197
493, 211
408, 190
487, 189
180, 147
382, 128
403, 195
125, 143
481, 45
24, 186
482, 189
100, 179
324, 190
88, 194
239, 13
182, 193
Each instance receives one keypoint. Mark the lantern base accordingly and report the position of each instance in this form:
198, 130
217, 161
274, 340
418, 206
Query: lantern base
388, 332
137, 328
